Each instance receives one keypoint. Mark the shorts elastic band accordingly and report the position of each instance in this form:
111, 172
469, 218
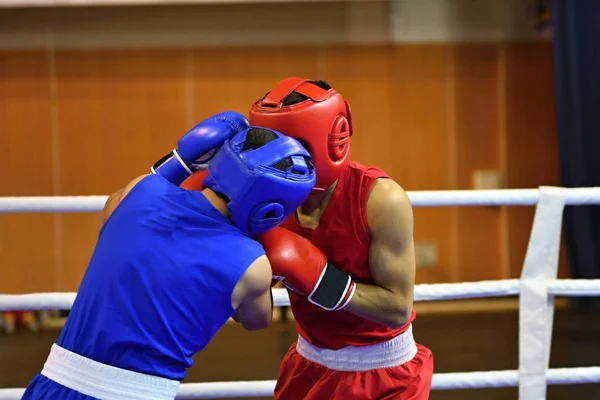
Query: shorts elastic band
103, 381
390, 353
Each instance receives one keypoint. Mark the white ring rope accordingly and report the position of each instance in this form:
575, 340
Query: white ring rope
47, 204
423, 292
429, 198
574, 287
510, 378
442, 381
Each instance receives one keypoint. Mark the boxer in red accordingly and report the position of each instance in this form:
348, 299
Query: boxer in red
347, 258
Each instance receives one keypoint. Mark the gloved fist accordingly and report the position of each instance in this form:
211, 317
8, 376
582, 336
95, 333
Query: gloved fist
196, 148
303, 268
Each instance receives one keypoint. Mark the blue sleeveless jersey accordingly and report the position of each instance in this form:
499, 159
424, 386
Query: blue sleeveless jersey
159, 283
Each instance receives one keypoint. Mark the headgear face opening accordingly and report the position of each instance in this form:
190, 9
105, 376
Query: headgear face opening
261, 196
322, 123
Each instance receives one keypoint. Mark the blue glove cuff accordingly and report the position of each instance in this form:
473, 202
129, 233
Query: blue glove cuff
172, 168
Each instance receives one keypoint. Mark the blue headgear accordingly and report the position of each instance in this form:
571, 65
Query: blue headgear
260, 196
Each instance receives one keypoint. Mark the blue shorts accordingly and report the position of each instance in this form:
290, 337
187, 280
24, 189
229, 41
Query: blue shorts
42, 388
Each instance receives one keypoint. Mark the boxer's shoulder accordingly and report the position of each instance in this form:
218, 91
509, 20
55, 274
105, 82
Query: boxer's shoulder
388, 203
386, 192
368, 170
117, 197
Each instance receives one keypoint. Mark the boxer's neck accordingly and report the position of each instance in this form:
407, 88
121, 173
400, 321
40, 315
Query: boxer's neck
316, 203
216, 201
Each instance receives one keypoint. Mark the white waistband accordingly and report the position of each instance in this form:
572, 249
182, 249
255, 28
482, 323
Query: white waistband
104, 381
387, 354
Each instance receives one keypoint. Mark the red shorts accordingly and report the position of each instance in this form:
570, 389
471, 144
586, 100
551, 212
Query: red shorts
301, 379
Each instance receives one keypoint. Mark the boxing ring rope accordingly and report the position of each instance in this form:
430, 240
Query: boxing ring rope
428, 198
423, 292
443, 381
536, 288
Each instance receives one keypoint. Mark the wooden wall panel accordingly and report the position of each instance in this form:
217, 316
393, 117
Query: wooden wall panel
531, 142
421, 143
26, 145
233, 78
119, 111
430, 115
477, 136
364, 76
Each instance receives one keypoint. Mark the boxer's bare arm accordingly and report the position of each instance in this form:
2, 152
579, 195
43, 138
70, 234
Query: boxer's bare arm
391, 258
114, 199
251, 297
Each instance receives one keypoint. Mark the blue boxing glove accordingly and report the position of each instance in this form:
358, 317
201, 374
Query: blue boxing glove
196, 148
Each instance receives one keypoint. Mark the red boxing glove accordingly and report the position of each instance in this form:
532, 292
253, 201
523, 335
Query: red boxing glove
195, 181
303, 268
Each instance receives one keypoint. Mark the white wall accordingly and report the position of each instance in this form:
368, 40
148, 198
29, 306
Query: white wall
463, 20
375, 21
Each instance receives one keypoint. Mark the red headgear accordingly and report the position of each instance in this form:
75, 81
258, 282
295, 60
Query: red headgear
322, 123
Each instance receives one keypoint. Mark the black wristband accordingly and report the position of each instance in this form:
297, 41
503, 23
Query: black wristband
271, 290
332, 288
162, 160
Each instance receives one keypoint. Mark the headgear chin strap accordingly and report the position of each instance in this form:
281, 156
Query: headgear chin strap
260, 196
322, 123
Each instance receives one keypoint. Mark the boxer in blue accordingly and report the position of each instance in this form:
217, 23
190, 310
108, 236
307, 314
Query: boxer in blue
171, 266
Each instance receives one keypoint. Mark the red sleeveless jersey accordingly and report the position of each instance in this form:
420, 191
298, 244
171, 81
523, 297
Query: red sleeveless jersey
343, 235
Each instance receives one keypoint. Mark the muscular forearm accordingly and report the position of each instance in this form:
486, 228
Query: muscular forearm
379, 305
